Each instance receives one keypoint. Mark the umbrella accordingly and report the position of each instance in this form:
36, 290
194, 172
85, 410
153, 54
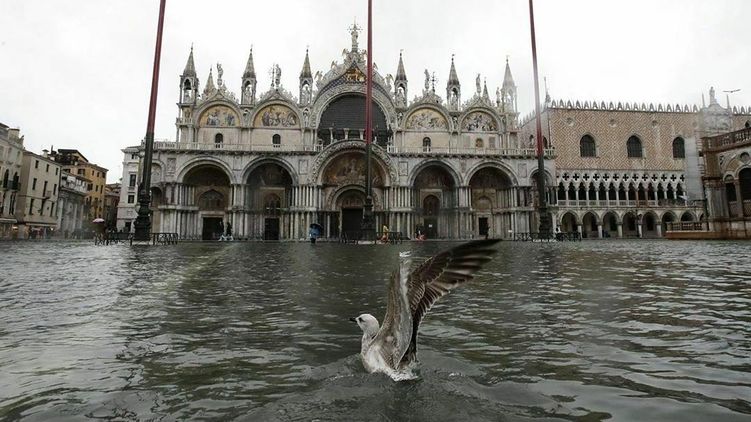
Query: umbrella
98, 220
316, 226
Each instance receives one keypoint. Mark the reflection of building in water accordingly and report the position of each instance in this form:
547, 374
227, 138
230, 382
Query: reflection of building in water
454, 168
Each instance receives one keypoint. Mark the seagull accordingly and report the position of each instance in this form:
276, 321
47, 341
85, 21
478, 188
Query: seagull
392, 347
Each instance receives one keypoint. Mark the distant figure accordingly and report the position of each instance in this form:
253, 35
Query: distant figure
228, 232
313, 234
385, 236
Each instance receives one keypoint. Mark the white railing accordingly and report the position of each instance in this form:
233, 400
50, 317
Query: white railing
198, 146
392, 149
513, 152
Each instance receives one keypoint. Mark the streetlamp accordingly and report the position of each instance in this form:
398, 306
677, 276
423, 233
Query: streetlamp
545, 218
368, 226
143, 221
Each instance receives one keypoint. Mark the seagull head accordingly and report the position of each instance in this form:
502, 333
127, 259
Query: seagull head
368, 323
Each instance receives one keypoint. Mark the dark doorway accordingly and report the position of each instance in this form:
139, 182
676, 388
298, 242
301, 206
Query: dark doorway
431, 227
212, 228
484, 228
351, 221
271, 229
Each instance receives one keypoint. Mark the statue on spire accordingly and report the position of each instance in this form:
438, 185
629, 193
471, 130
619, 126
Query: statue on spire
354, 32
477, 85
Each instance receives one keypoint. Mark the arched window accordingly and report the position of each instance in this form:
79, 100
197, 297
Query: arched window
748, 124
587, 146
545, 142
430, 205
426, 144
744, 178
633, 145
272, 204
5, 178
479, 143
679, 149
276, 140
218, 140
211, 200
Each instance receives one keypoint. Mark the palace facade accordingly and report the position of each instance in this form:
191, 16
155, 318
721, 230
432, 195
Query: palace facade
456, 166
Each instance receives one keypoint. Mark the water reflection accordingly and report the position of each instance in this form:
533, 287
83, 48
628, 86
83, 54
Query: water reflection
593, 330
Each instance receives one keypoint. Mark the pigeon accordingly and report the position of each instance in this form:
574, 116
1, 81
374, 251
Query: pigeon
391, 348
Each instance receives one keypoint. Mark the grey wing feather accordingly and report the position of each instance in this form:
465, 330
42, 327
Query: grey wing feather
437, 276
395, 332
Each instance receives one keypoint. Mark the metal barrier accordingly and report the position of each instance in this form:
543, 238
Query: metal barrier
547, 237
354, 236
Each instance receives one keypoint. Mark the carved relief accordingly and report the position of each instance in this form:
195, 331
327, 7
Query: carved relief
426, 119
171, 166
433, 177
478, 121
275, 116
218, 116
349, 169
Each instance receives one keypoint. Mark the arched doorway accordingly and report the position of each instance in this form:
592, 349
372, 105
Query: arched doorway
490, 199
267, 199
649, 225
687, 217
210, 188
436, 202
343, 182
667, 219
630, 228
609, 225
589, 226
350, 204
569, 223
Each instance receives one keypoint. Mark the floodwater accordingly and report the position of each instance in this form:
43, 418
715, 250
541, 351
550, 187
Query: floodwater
619, 330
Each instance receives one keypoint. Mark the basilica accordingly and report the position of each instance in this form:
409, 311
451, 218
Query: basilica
454, 166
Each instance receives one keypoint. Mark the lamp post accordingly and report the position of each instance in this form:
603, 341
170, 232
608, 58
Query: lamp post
143, 221
544, 214
368, 227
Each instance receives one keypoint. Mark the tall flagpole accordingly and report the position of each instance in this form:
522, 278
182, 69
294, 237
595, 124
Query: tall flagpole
368, 227
143, 221
545, 227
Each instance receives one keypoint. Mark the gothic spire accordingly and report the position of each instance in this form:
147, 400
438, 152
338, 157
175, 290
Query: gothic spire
485, 91
210, 83
453, 79
306, 73
508, 80
250, 70
190, 67
400, 74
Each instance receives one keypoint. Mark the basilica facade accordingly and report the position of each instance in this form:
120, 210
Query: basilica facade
270, 165
456, 165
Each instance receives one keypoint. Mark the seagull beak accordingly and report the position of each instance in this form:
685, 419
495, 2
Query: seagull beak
353, 319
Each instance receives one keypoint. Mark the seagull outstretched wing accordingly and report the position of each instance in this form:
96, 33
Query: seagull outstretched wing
435, 278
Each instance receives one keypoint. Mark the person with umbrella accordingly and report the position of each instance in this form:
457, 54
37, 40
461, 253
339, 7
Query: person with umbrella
314, 231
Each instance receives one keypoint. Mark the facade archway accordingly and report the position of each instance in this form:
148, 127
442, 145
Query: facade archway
435, 186
267, 199
650, 227
207, 187
667, 219
569, 223
630, 225
589, 226
610, 225
491, 197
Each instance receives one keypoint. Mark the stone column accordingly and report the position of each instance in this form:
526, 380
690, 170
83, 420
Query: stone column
739, 199
658, 226
620, 230
599, 230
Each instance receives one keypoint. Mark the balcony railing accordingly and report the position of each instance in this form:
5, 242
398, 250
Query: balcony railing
642, 203
687, 226
507, 152
200, 146
727, 139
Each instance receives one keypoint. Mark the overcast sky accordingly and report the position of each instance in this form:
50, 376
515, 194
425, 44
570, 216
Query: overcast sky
76, 73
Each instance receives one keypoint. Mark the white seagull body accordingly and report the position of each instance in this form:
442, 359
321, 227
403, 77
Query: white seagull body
392, 347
